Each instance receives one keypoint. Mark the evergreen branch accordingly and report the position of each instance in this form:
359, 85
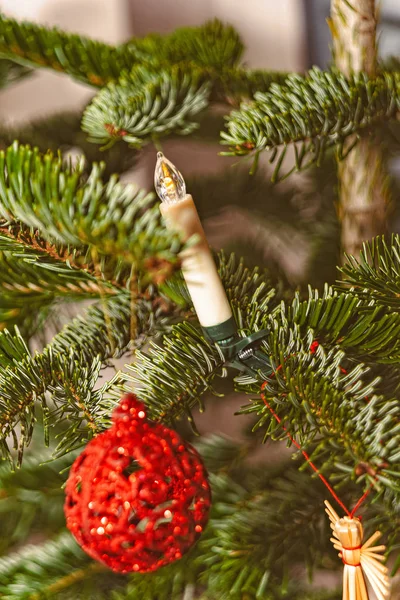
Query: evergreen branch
376, 274
261, 522
249, 292
211, 46
29, 316
147, 103
31, 499
163, 100
221, 454
185, 348
311, 392
361, 329
33, 276
94, 63
68, 368
54, 266
256, 530
313, 112
68, 208
62, 131
71, 383
340, 417
234, 85
172, 379
214, 46
247, 550
13, 348
57, 564
165, 376
63, 378
339, 412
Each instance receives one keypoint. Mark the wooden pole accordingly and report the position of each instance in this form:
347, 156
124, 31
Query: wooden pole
363, 177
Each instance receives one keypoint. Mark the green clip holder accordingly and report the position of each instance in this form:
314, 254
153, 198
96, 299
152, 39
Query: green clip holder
240, 353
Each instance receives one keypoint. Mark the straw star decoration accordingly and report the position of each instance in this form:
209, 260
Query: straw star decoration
359, 559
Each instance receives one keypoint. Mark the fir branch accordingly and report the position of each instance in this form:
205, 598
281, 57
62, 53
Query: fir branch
13, 348
94, 63
246, 550
154, 103
64, 377
310, 392
68, 368
35, 273
55, 268
57, 564
361, 329
186, 349
28, 316
172, 379
213, 46
236, 84
221, 453
376, 274
166, 385
339, 417
344, 408
313, 113
68, 208
31, 499
31, 275
62, 131
158, 101
256, 530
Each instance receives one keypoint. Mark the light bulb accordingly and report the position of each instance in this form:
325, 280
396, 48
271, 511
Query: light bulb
169, 183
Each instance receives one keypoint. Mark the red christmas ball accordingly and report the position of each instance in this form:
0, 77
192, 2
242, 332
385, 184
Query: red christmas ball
137, 498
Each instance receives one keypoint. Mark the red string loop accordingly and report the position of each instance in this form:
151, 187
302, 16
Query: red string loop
349, 513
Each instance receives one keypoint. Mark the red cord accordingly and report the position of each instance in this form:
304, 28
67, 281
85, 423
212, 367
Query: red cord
351, 514
361, 500
304, 453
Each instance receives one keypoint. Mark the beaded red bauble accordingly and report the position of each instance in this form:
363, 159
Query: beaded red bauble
137, 498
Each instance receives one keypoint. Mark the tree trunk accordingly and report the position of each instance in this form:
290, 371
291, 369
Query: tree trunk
363, 188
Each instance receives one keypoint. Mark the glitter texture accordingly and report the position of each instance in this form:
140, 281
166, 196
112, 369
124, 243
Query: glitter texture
157, 476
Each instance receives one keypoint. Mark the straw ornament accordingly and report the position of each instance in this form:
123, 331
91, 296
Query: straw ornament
360, 559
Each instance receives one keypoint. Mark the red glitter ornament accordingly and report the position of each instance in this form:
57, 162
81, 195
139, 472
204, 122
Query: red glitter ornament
137, 498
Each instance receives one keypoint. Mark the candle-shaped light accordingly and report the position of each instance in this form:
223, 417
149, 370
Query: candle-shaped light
198, 266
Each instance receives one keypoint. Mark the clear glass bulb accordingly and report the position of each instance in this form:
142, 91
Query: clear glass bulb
169, 183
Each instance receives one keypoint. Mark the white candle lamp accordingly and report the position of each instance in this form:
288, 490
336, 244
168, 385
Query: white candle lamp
199, 270
201, 275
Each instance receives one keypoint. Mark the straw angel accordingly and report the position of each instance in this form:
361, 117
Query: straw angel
360, 559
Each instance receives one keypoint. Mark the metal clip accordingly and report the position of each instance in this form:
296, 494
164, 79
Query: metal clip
243, 353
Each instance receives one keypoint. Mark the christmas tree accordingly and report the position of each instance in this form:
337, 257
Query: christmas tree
318, 368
